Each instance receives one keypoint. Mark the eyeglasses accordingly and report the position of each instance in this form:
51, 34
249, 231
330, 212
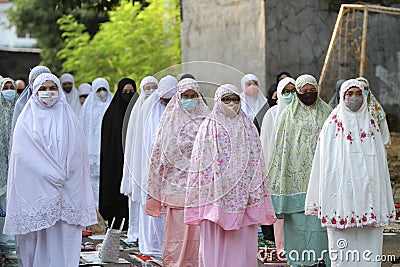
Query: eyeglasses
227, 100
288, 91
165, 100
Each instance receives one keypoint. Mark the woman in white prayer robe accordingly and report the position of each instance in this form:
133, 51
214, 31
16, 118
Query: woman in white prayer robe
349, 187
49, 197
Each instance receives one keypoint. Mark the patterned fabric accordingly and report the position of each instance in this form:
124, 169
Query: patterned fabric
49, 170
374, 107
6, 113
172, 147
290, 165
350, 183
227, 183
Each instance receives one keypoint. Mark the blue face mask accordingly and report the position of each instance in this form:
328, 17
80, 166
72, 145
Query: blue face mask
287, 97
366, 92
189, 104
9, 95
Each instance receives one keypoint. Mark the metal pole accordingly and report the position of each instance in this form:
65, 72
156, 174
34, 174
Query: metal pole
364, 42
330, 47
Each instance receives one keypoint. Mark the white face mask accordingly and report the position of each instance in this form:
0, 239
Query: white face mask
231, 109
48, 98
148, 92
102, 95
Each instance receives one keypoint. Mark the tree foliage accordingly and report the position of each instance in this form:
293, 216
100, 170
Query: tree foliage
39, 18
135, 42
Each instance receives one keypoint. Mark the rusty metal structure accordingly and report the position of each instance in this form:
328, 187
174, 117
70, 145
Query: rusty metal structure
347, 52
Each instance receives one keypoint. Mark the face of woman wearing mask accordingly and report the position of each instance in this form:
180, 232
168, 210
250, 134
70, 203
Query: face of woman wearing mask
48, 93
189, 99
67, 87
230, 104
308, 94
102, 94
288, 92
251, 88
8, 91
353, 98
149, 88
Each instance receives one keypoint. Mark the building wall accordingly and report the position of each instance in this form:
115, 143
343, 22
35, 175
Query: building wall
229, 35
265, 37
8, 34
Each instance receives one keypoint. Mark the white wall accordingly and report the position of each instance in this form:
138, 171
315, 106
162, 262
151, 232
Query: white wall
8, 36
230, 33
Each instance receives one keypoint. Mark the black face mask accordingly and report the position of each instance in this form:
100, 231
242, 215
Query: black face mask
19, 91
67, 89
308, 98
126, 97
271, 102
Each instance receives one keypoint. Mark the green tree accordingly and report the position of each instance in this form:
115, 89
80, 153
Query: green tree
39, 18
136, 42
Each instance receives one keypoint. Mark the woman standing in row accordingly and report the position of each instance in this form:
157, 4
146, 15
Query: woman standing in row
49, 197
170, 161
290, 167
227, 192
349, 188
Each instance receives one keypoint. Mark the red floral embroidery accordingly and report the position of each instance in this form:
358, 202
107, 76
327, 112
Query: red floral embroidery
352, 220
364, 219
363, 135
372, 216
323, 220
333, 221
349, 137
342, 222
372, 121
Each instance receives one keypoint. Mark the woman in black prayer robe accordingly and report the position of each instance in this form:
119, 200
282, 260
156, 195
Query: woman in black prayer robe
111, 202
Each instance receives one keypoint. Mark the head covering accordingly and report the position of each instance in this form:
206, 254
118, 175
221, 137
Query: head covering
336, 96
84, 89
227, 183
146, 80
172, 147
26, 94
184, 76
374, 107
270, 121
18, 82
296, 138
112, 157
130, 120
73, 96
91, 116
146, 127
6, 113
251, 105
272, 89
305, 79
350, 182
283, 72
49, 171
